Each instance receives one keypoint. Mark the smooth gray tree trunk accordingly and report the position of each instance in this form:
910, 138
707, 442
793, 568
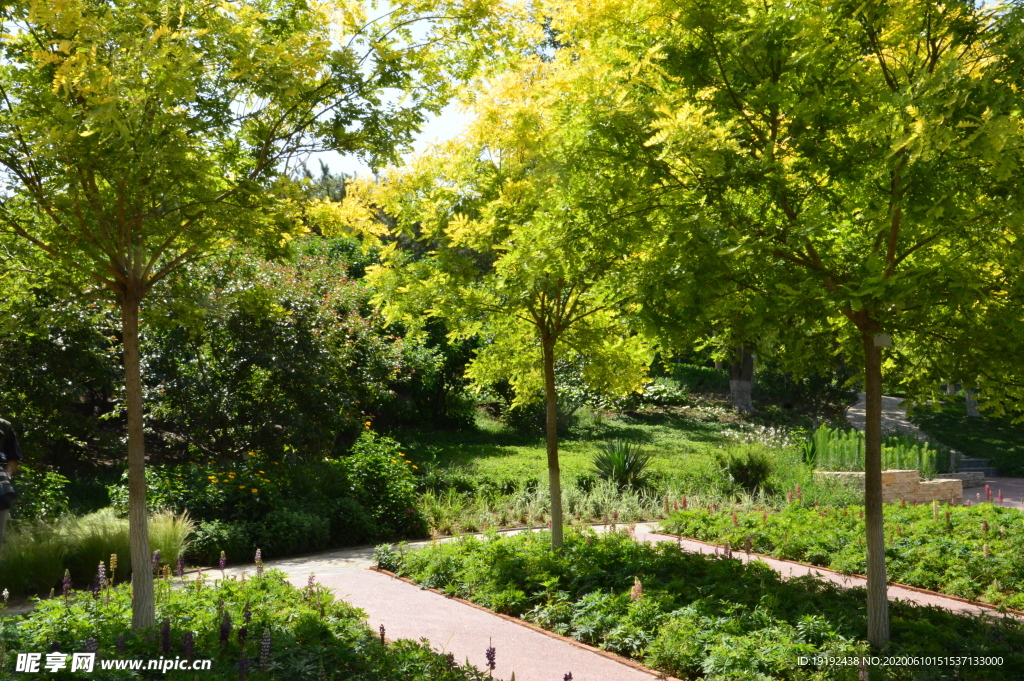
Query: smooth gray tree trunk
878, 598
972, 403
143, 603
551, 414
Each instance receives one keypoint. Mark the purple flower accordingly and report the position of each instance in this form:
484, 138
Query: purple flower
156, 559
222, 563
259, 562
225, 628
491, 655
247, 614
54, 647
181, 566
243, 633
101, 574
188, 645
66, 585
243, 668
265, 649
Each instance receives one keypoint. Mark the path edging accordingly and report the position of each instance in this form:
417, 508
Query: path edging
523, 623
1001, 610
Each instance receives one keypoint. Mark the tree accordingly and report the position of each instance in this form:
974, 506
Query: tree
861, 153
137, 136
506, 241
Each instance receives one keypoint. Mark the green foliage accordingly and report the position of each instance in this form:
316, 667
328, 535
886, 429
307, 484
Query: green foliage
41, 494
36, 553
699, 378
313, 636
623, 463
836, 449
986, 437
922, 549
695, 616
750, 470
383, 482
286, 508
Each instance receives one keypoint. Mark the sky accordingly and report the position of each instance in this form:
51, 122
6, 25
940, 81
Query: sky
448, 125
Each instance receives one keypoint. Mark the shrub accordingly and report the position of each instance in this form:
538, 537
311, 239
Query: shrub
384, 484
622, 462
233, 537
285, 532
836, 449
41, 494
697, 378
312, 635
749, 470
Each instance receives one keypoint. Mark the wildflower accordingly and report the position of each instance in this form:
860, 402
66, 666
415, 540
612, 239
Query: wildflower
1000, 494
225, 628
735, 520
113, 566
243, 668
66, 586
491, 654
255, 490
188, 644
637, 591
101, 575
252, 453
241, 487
265, 649
259, 562
243, 633
181, 566
261, 472
764, 516
222, 562
988, 493
156, 559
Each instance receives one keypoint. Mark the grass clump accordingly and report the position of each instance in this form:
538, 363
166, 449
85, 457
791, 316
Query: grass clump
696, 616
622, 462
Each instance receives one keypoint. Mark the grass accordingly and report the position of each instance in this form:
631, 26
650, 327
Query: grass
681, 442
983, 438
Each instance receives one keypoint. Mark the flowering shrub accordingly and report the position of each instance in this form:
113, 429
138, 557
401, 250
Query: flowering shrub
265, 625
384, 483
974, 552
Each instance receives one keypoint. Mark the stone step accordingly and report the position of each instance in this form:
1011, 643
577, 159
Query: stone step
974, 464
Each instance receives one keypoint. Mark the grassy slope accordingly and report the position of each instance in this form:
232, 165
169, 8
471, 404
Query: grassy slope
983, 438
680, 441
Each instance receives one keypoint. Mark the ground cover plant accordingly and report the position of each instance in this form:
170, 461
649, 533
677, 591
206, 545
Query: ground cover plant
974, 552
256, 628
695, 616
984, 437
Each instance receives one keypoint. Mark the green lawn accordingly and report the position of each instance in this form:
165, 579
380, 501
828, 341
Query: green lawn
983, 438
682, 441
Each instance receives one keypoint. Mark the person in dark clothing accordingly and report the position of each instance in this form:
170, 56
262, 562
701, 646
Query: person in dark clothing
10, 456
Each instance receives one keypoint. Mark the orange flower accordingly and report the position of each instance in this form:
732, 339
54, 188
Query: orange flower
254, 490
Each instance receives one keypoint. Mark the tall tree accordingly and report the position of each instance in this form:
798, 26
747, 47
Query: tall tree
863, 153
137, 136
513, 245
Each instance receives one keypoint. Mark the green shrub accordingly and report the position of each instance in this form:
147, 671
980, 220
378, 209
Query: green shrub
233, 537
697, 378
384, 484
41, 494
284, 532
622, 462
312, 636
749, 470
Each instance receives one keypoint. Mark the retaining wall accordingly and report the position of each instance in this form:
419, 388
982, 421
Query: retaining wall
903, 485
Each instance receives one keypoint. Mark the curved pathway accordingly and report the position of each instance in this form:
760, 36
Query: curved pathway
894, 416
453, 626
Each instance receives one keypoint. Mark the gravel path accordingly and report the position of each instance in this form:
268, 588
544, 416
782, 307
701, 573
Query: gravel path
894, 415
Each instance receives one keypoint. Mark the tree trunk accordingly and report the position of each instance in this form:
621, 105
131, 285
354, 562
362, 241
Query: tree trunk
554, 472
972, 404
143, 603
878, 601
741, 380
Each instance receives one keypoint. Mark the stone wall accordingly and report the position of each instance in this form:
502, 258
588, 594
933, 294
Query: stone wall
905, 485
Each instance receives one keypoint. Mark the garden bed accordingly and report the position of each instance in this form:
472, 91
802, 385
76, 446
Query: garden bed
260, 628
690, 615
972, 552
